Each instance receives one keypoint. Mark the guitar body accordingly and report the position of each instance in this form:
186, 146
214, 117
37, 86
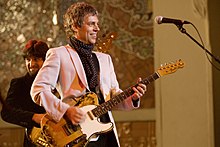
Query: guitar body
64, 133
36, 136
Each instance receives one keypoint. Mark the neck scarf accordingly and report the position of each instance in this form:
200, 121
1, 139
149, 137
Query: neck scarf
85, 54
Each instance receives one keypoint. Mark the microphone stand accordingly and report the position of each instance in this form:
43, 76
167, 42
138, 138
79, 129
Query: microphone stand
183, 30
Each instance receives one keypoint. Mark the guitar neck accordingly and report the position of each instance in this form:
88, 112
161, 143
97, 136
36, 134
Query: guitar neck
108, 105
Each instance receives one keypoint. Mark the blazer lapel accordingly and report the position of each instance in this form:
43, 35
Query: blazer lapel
78, 65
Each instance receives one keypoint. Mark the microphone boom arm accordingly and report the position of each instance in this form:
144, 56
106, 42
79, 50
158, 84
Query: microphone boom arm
183, 30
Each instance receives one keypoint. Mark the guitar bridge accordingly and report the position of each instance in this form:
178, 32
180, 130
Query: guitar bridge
79, 142
41, 141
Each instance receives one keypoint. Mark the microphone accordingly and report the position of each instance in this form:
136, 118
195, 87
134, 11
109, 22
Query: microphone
161, 19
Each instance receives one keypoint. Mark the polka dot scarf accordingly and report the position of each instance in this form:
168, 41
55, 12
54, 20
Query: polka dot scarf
85, 54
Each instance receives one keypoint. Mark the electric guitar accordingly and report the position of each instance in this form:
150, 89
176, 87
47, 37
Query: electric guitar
64, 133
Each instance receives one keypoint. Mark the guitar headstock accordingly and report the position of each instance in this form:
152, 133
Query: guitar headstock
170, 68
103, 44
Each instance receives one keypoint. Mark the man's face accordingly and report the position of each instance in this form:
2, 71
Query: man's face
33, 65
87, 33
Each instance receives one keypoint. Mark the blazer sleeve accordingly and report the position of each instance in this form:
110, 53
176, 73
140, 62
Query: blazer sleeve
128, 103
13, 111
44, 82
109, 84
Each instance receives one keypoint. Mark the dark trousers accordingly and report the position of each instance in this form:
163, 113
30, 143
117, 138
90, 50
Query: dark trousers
27, 142
105, 140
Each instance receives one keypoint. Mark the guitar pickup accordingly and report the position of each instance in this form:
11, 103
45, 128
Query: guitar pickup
69, 128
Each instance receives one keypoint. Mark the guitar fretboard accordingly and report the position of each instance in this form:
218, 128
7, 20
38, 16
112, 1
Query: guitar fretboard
108, 105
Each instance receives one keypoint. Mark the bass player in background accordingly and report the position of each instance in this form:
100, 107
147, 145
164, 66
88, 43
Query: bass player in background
19, 107
77, 69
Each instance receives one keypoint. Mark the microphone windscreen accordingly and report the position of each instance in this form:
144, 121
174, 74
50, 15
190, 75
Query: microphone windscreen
158, 19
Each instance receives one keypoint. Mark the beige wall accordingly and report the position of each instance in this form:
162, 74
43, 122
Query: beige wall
214, 23
183, 99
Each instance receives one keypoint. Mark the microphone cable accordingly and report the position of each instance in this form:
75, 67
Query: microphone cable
203, 47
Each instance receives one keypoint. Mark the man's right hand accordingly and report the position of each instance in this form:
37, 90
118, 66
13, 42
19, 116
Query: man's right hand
75, 114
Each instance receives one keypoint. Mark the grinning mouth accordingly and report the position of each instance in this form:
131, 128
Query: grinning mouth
94, 35
33, 68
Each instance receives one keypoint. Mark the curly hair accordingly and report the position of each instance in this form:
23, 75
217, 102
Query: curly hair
35, 48
75, 14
